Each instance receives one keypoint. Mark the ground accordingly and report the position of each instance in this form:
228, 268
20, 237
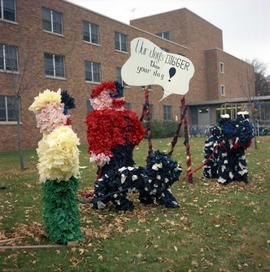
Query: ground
217, 228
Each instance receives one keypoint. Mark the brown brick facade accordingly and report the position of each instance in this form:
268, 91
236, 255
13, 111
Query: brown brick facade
190, 36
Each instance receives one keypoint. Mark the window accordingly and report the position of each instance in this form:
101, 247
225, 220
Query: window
92, 71
54, 65
90, 32
120, 41
88, 106
165, 49
52, 21
167, 113
7, 108
8, 10
222, 90
164, 35
221, 67
119, 77
8, 57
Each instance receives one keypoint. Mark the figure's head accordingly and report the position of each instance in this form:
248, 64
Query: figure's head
242, 115
49, 111
107, 95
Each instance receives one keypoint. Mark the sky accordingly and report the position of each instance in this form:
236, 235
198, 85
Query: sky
245, 23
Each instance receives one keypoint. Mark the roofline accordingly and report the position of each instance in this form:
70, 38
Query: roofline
175, 10
213, 49
131, 26
233, 100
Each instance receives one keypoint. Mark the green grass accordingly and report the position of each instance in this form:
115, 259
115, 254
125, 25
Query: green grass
217, 228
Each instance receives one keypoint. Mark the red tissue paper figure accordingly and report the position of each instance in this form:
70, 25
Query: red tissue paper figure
112, 134
112, 130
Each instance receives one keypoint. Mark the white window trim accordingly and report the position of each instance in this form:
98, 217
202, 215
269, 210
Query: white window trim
55, 77
96, 44
2, 13
119, 51
9, 123
4, 59
53, 33
92, 82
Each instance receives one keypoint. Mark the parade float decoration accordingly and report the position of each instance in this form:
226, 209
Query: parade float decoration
224, 150
58, 165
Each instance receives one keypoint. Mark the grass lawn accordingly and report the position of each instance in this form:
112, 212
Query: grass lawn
217, 228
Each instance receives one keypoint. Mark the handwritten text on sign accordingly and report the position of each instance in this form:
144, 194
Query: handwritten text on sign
149, 64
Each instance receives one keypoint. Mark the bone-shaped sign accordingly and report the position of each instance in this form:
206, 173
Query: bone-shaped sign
149, 65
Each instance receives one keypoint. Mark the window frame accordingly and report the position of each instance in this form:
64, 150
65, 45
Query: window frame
162, 35
2, 12
221, 67
7, 121
222, 90
120, 35
5, 61
92, 71
51, 31
166, 114
54, 66
89, 24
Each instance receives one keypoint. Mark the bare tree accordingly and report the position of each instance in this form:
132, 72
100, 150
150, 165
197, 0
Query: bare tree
261, 86
247, 85
26, 77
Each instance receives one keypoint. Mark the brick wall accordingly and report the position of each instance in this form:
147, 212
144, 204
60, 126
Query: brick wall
190, 34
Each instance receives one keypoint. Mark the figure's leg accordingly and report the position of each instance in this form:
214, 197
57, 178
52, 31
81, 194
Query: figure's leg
225, 173
145, 198
241, 170
121, 202
167, 199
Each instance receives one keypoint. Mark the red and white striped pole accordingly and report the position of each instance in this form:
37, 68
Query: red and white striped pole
186, 142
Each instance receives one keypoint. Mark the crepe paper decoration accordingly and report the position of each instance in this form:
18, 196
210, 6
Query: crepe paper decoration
45, 98
58, 155
112, 134
61, 211
50, 117
224, 150
58, 166
152, 183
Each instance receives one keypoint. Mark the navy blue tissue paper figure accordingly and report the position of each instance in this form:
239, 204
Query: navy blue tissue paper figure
224, 150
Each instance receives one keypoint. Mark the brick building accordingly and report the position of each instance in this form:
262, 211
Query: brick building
51, 44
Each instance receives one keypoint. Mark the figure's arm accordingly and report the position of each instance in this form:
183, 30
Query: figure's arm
136, 131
